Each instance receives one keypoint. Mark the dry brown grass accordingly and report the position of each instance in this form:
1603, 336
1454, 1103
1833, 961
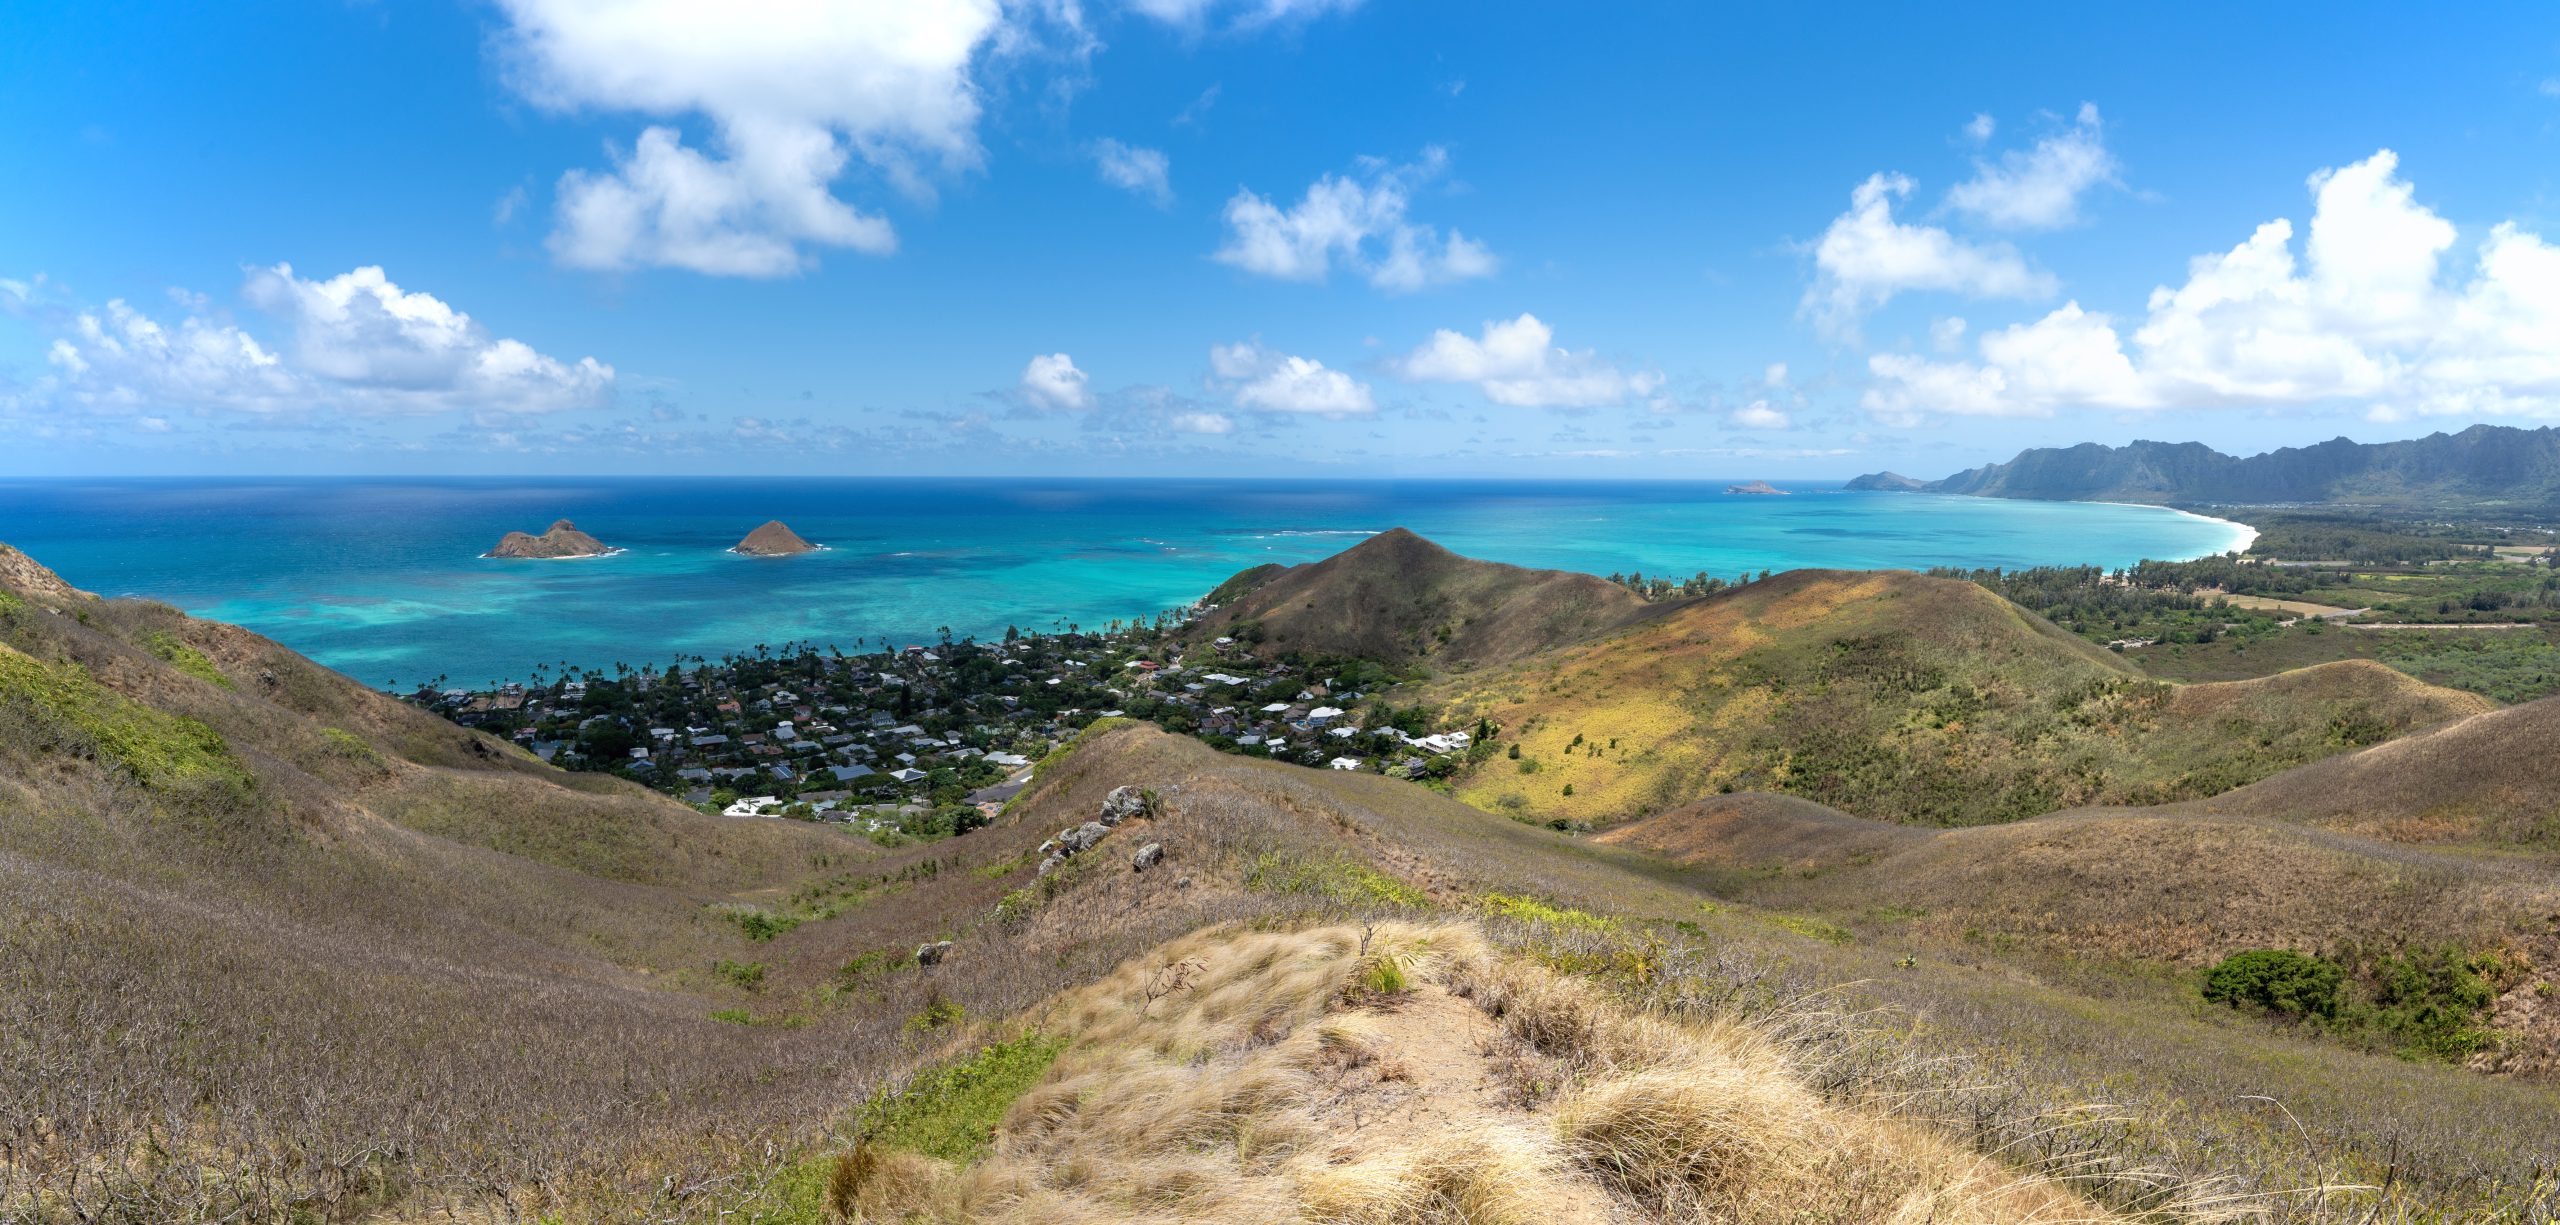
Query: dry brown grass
1274, 1086
2487, 779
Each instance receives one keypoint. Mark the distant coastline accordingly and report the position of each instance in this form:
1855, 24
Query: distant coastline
381, 579
2242, 535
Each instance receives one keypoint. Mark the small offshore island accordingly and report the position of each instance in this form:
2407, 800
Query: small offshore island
1757, 489
561, 540
773, 540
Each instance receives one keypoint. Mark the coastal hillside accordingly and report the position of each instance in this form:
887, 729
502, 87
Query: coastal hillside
1399, 599
2487, 780
2485, 465
272, 912
1896, 697
2459, 950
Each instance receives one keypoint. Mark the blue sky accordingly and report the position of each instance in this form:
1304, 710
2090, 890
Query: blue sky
1319, 237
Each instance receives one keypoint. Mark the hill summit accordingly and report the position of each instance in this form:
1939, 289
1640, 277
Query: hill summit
561, 539
773, 540
1398, 598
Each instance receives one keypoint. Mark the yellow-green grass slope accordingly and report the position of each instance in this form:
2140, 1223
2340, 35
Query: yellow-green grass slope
1897, 697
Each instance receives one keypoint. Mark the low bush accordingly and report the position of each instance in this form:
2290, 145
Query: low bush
177, 654
2279, 980
951, 1112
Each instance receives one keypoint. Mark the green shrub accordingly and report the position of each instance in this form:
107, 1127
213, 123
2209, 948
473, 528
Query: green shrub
156, 747
951, 1112
2430, 1001
1338, 880
1532, 910
2278, 980
746, 974
757, 923
177, 654
939, 1013
348, 745
734, 1016
1827, 932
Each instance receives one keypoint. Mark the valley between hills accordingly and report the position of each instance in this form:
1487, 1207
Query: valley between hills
1840, 896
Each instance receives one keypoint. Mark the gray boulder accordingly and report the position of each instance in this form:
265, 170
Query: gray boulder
1147, 857
1122, 804
933, 953
1081, 839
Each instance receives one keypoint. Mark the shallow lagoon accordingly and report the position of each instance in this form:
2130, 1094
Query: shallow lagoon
383, 578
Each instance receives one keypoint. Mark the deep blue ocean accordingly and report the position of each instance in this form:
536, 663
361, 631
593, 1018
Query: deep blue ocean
383, 578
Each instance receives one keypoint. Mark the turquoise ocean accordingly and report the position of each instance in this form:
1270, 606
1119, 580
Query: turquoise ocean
383, 578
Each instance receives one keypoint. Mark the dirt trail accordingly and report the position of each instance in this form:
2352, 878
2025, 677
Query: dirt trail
1437, 1073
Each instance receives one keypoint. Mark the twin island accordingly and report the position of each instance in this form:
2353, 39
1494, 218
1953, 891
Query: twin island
563, 540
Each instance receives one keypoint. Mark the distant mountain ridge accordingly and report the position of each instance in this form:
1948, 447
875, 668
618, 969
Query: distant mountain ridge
2483, 464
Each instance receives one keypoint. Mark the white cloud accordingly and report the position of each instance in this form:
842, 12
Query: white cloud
1280, 383
1866, 257
1245, 14
1775, 375
792, 93
1758, 415
1145, 172
1946, 335
2362, 317
1360, 222
1051, 380
357, 343
1203, 423
2039, 188
1980, 128
1515, 362
2551, 87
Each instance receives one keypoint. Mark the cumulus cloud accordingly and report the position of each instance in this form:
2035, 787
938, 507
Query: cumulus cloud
1866, 256
1203, 423
1359, 221
1516, 362
1051, 380
1758, 415
2039, 188
1144, 172
1275, 382
355, 342
791, 97
2361, 316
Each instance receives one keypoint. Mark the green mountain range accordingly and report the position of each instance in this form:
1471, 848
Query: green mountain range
2491, 465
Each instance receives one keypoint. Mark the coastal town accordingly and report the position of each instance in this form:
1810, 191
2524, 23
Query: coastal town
930, 739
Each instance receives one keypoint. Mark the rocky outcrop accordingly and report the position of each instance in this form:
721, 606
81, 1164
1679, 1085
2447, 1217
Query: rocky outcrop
561, 539
29, 577
933, 953
1884, 482
773, 540
1147, 857
1122, 804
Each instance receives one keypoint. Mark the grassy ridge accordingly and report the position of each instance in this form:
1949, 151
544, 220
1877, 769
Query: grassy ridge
1892, 696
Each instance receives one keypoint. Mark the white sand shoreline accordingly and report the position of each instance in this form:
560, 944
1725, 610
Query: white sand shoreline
2242, 535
